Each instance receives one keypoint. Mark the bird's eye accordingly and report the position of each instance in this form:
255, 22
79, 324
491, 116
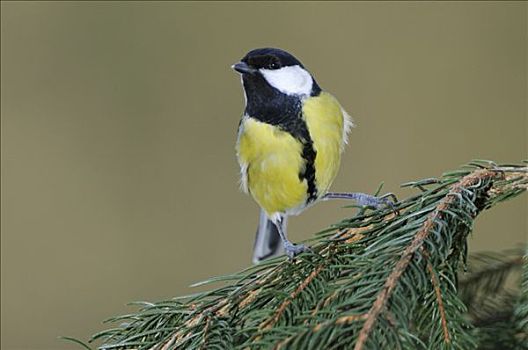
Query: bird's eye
273, 65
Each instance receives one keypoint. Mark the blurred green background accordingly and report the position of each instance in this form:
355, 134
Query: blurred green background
119, 179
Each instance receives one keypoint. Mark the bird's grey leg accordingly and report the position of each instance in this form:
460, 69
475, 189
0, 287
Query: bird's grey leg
290, 248
363, 198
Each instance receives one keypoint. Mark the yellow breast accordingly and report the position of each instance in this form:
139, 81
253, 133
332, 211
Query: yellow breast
271, 161
327, 124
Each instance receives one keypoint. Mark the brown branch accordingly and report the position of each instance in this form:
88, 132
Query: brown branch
251, 295
206, 330
324, 303
340, 321
350, 319
438, 292
220, 309
180, 333
270, 322
176, 336
170, 342
402, 264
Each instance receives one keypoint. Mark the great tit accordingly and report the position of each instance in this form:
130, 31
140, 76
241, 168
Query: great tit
289, 145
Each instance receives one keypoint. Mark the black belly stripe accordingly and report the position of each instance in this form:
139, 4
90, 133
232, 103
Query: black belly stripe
309, 155
297, 128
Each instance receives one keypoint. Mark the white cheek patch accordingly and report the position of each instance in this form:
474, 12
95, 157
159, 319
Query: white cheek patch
291, 80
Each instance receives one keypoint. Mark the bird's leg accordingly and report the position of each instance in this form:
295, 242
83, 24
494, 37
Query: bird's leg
290, 248
364, 199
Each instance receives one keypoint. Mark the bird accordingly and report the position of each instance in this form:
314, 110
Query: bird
289, 144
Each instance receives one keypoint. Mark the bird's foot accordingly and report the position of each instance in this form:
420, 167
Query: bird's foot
292, 250
363, 199
385, 201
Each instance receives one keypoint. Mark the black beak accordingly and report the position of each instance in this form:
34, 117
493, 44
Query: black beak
243, 68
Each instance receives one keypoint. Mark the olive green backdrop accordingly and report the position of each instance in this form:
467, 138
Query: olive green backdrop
119, 179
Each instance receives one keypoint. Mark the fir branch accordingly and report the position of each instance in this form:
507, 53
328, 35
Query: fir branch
401, 266
380, 279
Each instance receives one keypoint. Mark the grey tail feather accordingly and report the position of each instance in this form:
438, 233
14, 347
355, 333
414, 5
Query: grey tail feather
268, 243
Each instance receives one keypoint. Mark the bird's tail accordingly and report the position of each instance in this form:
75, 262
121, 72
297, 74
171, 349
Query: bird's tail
268, 242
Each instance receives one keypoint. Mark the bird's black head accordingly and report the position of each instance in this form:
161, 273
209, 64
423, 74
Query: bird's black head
270, 58
275, 69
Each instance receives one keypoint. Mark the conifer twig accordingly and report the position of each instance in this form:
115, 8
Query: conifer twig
417, 242
379, 277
